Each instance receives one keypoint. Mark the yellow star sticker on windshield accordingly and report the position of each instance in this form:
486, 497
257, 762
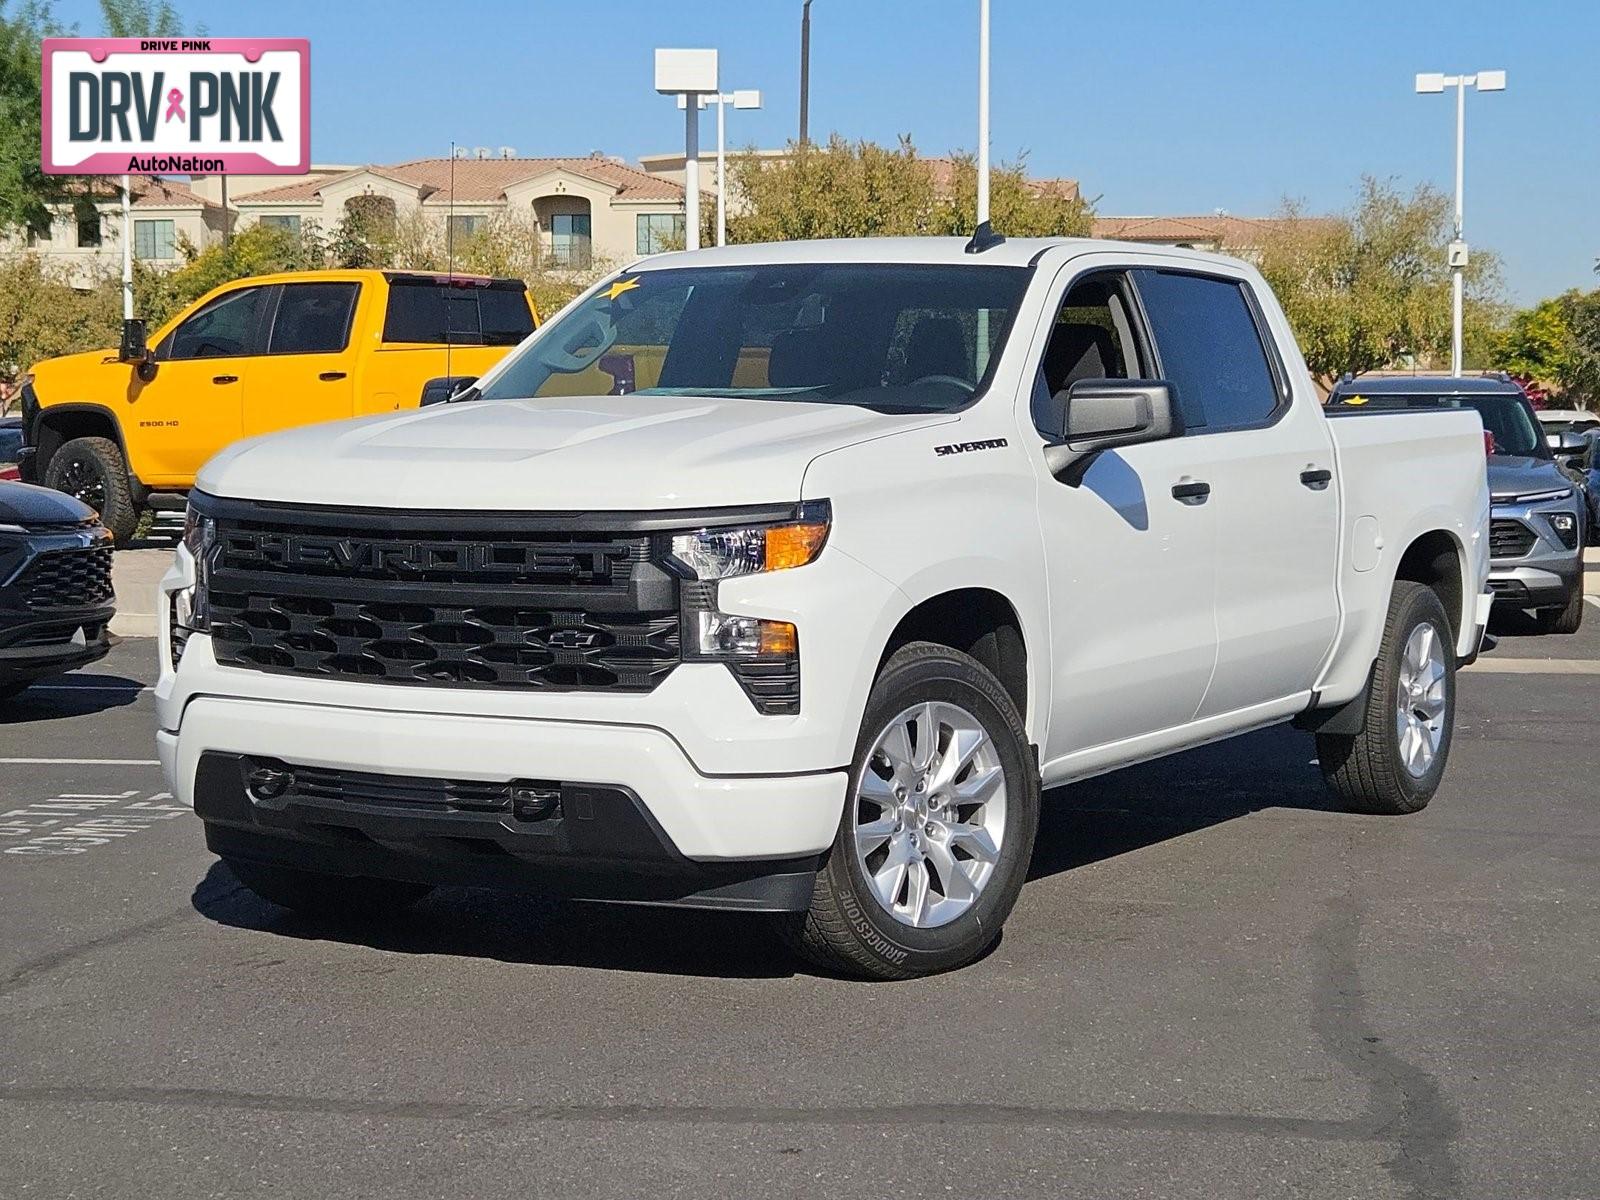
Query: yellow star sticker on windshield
1357, 400
620, 286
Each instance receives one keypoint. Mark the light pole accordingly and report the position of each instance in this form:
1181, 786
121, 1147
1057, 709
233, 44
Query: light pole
744, 98
805, 71
1430, 83
691, 74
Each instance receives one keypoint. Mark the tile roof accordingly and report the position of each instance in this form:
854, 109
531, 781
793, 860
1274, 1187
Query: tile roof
1218, 229
149, 191
484, 179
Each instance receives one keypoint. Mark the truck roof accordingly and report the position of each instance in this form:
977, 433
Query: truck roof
1013, 252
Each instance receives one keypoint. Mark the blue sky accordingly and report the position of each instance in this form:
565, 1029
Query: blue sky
1155, 106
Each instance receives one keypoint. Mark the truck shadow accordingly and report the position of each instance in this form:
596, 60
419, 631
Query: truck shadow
1085, 823
64, 697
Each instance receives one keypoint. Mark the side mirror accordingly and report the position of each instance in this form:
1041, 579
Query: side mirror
445, 388
1570, 445
135, 350
1102, 414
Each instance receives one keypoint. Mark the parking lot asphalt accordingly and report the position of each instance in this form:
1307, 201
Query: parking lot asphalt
1215, 985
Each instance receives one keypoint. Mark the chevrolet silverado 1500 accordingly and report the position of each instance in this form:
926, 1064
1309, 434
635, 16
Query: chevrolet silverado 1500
784, 578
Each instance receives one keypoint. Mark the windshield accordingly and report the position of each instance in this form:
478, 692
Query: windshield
1511, 423
902, 337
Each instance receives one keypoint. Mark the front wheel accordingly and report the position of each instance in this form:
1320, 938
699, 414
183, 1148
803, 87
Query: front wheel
92, 470
938, 824
1566, 619
1395, 763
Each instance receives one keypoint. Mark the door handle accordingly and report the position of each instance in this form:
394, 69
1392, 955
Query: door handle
1316, 480
1194, 492
224, 379
330, 376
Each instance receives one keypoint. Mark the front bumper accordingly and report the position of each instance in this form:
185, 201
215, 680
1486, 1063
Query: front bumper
634, 819
1544, 574
41, 646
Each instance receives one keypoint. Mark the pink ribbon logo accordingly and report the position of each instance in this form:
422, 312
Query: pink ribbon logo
175, 105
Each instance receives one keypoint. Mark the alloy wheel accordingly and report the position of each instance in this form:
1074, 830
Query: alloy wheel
1421, 704
928, 817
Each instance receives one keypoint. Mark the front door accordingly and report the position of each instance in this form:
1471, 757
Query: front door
306, 374
1130, 547
191, 408
1275, 491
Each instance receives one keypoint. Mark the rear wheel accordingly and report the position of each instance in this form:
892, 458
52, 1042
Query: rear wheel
92, 470
1566, 619
316, 894
938, 826
1395, 763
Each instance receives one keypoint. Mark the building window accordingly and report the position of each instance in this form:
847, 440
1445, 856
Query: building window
41, 234
155, 240
464, 228
569, 239
289, 224
89, 230
660, 231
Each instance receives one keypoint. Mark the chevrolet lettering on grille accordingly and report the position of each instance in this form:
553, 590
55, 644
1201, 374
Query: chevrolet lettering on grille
593, 562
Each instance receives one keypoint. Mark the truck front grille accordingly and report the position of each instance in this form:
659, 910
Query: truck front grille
1509, 538
441, 601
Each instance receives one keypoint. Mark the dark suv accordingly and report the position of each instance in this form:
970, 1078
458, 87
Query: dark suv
55, 585
1537, 527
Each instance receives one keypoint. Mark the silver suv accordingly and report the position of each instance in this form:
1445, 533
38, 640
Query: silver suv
1537, 528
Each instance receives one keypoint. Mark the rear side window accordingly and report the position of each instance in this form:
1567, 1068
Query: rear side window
313, 318
463, 315
1210, 347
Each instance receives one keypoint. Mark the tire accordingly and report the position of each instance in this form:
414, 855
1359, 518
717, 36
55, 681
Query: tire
1368, 770
1566, 619
848, 928
93, 470
332, 896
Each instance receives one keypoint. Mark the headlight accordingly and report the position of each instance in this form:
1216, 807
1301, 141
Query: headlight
762, 654
191, 607
725, 553
1565, 526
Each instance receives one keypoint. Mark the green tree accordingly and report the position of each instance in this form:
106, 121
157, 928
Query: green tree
42, 316
1370, 288
861, 189
1580, 382
1537, 344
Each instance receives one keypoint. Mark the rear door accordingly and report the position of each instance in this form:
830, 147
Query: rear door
1274, 490
436, 326
306, 374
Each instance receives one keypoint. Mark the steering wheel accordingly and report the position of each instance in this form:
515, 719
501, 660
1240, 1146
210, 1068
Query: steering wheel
959, 382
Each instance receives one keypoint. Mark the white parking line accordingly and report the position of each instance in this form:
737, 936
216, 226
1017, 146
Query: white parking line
81, 762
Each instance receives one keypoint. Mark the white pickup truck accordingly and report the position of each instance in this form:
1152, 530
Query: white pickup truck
785, 578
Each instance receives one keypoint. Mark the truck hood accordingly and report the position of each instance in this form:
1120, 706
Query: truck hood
1519, 475
562, 453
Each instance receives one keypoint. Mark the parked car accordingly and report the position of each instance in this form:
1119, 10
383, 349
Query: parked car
253, 356
55, 586
1588, 463
1539, 512
883, 538
10, 440
1556, 421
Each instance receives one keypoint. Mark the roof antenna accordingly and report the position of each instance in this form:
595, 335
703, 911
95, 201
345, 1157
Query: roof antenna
983, 237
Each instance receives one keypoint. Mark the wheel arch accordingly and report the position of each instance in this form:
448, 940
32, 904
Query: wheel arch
1437, 560
978, 621
58, 424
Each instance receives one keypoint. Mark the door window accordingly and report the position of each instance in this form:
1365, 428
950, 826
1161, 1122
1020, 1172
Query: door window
1211, 350
224, 328
435, 312
313, 318
1092, 338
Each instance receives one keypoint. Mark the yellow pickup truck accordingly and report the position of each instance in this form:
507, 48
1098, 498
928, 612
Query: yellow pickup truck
125, 432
